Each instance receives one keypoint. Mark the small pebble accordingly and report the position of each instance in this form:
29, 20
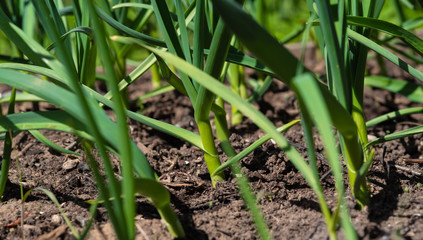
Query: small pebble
371, 137
70, 164
56, 219
199, 160
81, 220
31, 230
83, 166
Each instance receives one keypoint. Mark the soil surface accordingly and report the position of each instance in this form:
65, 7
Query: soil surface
290, 207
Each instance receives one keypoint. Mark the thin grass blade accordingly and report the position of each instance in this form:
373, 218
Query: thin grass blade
54, 200
253, 146
183, 30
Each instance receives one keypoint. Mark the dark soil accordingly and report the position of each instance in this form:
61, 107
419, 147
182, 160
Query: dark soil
288, 204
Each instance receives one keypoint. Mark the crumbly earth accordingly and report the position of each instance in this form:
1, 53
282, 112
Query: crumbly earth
290, 207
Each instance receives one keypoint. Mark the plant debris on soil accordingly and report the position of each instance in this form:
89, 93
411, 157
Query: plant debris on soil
290, 207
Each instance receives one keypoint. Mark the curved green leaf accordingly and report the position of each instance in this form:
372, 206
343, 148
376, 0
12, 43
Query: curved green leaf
133, 5
408, 89
153, 190
167, 27
52, 120
396, 135
243, 59
52, 75
54, 200
388, 28
387, 54
313, 101
161, 90
85, 30
44, 140
160, 197
32, 68
22, 97
259, 89
393, 115
135, 74
128, 31
167, 128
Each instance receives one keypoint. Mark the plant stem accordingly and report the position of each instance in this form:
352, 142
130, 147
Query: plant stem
7, 149
237, 79
5, 163
352, 153
211, 156
358, 68
155, 77
119, 109
214, 65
